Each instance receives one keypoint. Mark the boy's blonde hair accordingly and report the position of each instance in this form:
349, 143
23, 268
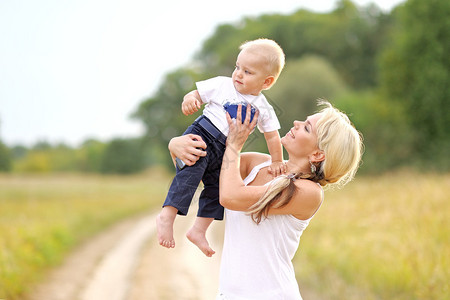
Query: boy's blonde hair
271, 51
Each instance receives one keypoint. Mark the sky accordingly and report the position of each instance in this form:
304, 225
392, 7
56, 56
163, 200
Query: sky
71, 70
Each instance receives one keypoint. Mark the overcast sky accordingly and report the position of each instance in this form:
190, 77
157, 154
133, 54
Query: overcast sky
76, 69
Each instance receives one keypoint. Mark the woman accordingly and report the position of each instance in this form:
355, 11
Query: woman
265, 217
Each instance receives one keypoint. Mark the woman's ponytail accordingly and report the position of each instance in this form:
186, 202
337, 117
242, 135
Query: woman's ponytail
261, 208
281, 191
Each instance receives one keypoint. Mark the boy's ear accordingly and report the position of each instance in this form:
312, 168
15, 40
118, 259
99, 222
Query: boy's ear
268, 82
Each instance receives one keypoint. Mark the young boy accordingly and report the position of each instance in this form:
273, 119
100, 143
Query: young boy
258, 66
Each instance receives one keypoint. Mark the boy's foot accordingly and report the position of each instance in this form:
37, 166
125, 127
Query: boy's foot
164, 226
198, 238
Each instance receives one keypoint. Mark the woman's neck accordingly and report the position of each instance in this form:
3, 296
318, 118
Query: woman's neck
296, 167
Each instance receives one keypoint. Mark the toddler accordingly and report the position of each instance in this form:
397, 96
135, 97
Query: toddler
258, 66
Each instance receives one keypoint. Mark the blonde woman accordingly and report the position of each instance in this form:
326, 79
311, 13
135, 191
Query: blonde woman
265, 217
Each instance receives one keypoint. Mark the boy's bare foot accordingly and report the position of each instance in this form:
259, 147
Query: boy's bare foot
164, 226
198, 238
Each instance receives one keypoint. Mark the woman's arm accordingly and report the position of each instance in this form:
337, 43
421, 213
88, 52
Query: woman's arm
234, 194
186, 148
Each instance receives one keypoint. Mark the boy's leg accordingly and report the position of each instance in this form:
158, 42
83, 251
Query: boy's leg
209, 207
197, 235
178, 200
164, 225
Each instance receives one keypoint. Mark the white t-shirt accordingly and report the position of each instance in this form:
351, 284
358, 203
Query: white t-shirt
219, 91
257, 258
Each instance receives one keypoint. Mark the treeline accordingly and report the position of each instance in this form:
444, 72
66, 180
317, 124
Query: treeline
388, 71
123, 156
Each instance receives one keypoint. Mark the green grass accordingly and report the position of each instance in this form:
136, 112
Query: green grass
383, 237
43, 216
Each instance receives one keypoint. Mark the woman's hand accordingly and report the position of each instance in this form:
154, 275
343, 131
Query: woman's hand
233, 193
239, 131
186, 148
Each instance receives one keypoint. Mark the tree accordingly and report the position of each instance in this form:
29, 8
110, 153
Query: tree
35, 161
89, 156
161, 114
386, 135
295, 93
349, 37
301, 83
415, 70
339, 48
122, 156
5, 158
18, 152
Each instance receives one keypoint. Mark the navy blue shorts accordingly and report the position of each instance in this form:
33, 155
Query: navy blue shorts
206, 169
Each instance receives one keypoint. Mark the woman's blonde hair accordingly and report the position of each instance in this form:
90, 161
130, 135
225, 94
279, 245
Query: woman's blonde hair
342, 145
271, 51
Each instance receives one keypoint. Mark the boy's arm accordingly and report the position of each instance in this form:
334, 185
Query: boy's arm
276, 152
192, 102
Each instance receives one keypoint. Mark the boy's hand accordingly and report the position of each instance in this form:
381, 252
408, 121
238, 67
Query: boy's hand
277, 168
190, 104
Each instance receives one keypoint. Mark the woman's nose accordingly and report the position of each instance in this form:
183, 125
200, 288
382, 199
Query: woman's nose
298, 124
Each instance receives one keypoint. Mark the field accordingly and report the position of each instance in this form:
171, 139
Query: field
43, 217
384, 237
380, 238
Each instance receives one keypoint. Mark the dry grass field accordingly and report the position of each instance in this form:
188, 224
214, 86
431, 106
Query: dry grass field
381, 237
43, 216
385, 237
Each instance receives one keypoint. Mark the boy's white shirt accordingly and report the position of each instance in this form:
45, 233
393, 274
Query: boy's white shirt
217, 91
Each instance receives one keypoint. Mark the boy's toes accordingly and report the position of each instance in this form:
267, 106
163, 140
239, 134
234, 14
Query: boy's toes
167, 244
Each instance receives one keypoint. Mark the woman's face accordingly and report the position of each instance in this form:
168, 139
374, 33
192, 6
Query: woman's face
301, 140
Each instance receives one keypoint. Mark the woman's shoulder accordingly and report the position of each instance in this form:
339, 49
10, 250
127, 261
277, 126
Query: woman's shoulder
254, 158
251, 159
308, 200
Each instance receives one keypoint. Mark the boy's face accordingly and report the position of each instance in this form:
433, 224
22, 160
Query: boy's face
249, 76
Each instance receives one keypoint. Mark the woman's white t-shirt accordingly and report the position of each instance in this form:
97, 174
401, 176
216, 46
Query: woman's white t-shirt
257, 258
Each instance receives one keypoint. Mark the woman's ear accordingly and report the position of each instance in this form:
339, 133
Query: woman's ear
318, 156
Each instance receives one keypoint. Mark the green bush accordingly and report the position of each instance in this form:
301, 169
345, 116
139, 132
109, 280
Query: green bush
387, 136
5, 158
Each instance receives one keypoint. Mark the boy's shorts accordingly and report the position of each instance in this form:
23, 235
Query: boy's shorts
206, 169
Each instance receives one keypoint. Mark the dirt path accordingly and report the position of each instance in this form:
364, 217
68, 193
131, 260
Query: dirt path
126, 263
182, 273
